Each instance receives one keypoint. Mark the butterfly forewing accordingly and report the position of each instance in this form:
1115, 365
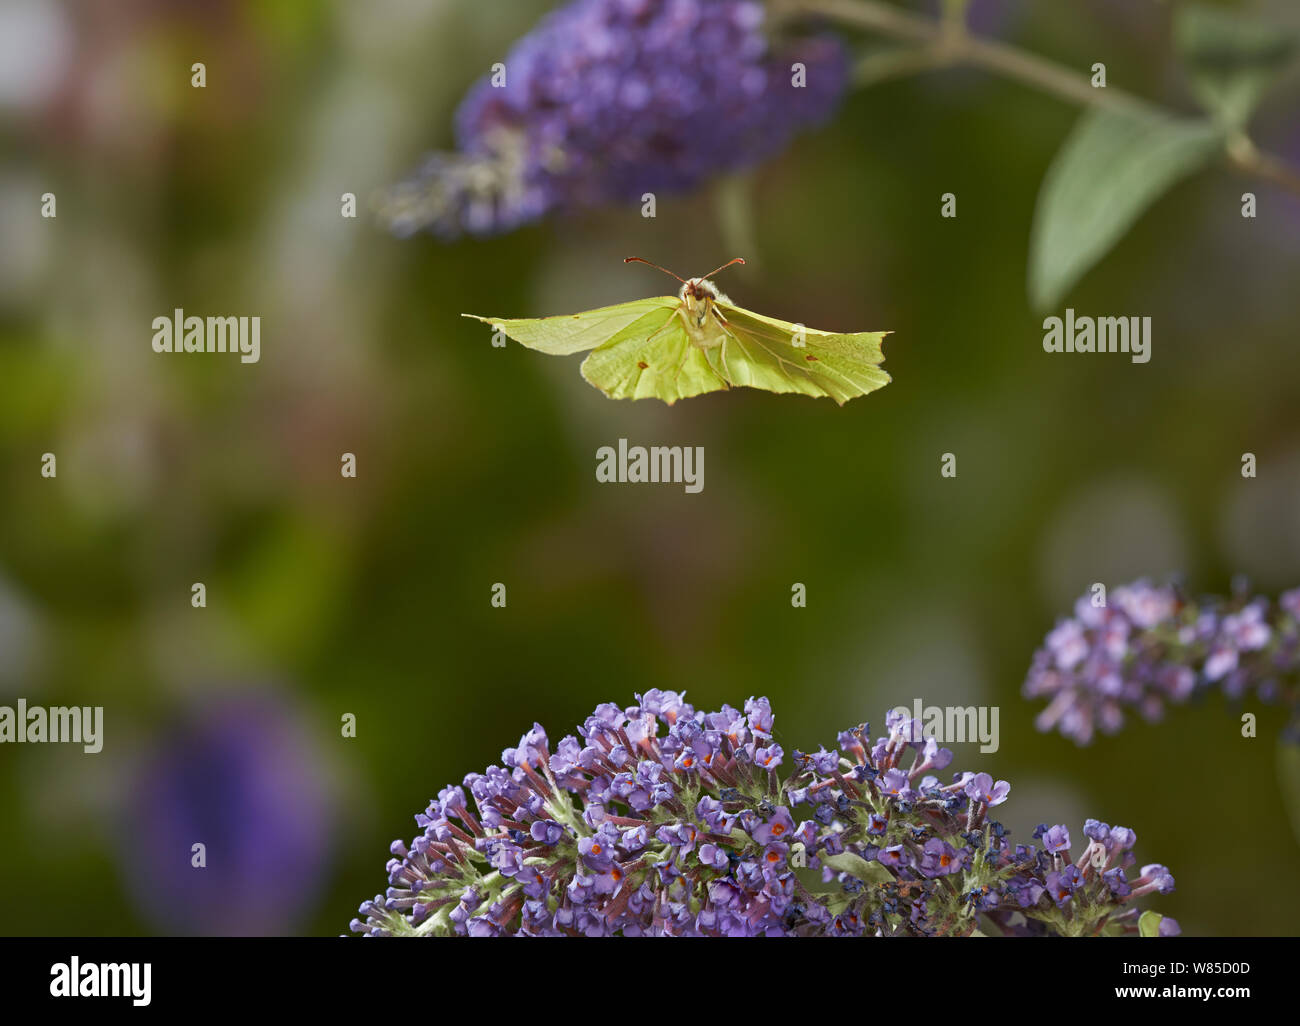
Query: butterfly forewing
575, 333
762, 352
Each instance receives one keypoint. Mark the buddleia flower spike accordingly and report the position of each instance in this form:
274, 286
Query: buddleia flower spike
657, 819
606, 100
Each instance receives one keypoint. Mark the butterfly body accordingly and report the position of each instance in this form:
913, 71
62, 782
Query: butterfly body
705, 325
670, 348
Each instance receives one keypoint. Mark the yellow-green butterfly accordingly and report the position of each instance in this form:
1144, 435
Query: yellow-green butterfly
671, 348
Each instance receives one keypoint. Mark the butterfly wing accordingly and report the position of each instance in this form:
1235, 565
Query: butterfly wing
662, 365
760, 352
576, 333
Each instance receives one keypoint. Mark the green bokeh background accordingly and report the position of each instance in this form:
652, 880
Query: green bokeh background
476, 465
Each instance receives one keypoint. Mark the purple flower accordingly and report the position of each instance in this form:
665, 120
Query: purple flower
1154, 878
547, 831
1028, 893
1150, 646
606, 100
713, 855
1062, 885
769, 757
981, 788
893, 782
939, 858
1056, 840
1117, 880
1095, 830
825, 762
241, 779
777, 827
894, 856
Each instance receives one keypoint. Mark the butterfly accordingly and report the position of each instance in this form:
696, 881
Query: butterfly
671, 348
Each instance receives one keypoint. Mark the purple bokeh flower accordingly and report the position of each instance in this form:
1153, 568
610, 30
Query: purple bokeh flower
242, 779
606, 100
1149, 646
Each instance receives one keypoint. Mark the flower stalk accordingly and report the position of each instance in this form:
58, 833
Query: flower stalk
945, 42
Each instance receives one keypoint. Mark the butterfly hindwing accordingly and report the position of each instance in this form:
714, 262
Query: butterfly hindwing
761, 352
575, 333
663, 365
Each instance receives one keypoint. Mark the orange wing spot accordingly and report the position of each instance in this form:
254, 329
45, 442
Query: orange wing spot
811, 357
642, 364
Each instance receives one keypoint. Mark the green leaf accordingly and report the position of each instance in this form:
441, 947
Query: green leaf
1116, 163
1232, 60
856, 865
1288, 775
1149, 923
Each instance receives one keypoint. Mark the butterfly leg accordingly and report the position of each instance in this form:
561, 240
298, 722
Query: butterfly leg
680, 312
727, 333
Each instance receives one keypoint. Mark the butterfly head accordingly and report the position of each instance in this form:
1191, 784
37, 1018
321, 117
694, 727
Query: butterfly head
697, 294
701, 292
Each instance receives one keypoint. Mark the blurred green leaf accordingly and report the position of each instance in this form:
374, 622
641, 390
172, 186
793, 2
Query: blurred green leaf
1115, 164
1288, 776
856, 865
1232, 60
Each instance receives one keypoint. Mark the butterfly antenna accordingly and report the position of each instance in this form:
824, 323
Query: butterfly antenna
639, 260
737, 260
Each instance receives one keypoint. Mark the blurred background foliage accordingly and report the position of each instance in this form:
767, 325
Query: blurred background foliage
329, 596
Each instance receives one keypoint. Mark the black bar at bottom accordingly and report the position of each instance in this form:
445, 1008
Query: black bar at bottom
391, 979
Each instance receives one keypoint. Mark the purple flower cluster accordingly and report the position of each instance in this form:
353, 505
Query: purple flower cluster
629, 830
1149, 645
914, 856
606, 100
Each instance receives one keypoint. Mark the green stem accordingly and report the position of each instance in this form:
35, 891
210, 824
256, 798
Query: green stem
944, 42
1247, 157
